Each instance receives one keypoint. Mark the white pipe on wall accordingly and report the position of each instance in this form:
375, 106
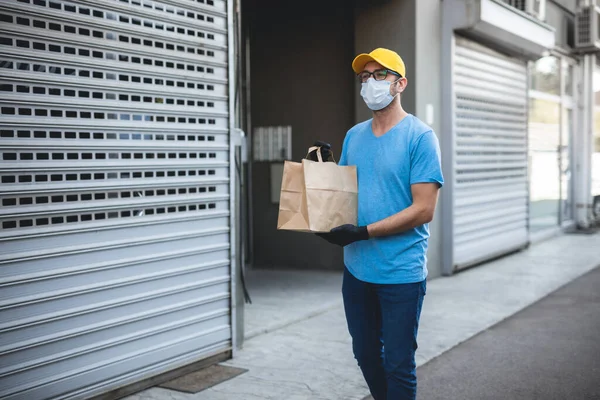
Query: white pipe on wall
583, 144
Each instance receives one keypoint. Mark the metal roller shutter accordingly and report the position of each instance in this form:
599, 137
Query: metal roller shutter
115, 217
490, 162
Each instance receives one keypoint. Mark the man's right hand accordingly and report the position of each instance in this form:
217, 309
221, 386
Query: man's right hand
325, 151
345, 234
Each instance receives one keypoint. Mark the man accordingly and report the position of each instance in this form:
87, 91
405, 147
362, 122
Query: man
399, 175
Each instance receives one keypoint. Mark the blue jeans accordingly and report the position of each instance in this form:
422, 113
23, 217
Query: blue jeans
383, 321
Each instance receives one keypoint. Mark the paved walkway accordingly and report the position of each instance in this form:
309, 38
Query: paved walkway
312, 360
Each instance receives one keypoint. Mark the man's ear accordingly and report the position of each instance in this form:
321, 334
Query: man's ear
399, 87
405, 81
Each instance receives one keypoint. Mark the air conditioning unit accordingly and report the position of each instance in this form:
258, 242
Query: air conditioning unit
587, 36
536, 8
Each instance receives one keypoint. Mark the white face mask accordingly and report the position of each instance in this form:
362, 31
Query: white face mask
376, 94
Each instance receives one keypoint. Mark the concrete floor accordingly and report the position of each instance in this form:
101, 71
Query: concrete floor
311, 359
280, 297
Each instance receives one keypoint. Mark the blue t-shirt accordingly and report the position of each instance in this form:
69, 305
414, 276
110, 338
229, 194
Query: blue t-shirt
387, 166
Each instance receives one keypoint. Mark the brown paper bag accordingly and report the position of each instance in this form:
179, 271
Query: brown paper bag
317, 196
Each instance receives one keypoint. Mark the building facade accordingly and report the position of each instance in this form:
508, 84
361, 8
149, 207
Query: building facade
502, 83
131, 203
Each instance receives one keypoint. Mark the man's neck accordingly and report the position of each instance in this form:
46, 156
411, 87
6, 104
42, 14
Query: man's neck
386, 119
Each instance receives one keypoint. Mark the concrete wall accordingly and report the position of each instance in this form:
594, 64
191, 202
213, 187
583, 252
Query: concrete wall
389, 24
570, 5
428, 85
561, 18
413, 29
301, 54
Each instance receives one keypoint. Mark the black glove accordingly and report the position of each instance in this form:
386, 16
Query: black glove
325, 151
345, 234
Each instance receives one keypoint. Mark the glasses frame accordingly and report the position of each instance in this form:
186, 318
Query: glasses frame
372, 74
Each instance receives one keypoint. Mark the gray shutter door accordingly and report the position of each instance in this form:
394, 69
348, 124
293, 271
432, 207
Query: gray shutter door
490, 161
115, 229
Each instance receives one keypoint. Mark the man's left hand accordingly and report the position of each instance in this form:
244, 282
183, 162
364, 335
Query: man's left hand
345, 234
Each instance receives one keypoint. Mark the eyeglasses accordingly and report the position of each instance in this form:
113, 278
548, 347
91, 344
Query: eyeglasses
378, 75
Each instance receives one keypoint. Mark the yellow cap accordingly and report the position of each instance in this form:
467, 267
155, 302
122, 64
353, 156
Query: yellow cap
388, 58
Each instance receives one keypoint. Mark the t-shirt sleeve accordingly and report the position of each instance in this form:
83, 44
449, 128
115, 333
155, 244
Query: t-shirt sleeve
426, 163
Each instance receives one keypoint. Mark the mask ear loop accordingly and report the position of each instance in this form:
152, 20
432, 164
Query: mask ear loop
396, 81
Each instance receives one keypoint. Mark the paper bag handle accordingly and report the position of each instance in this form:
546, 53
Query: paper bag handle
319, 155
